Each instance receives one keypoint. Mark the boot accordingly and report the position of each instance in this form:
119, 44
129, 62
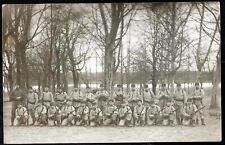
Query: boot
196, 121
203, 121
192, 123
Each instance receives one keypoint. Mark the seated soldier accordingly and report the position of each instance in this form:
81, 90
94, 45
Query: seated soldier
95, 115
21, 116
68, 113
139, 113
125, 115
54, 115
168, 114
60, 98
89, 95
32, 100
41, 115
110, 113
153, 113
82, 113
189, 113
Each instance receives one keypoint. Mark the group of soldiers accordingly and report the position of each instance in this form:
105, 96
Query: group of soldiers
96, 108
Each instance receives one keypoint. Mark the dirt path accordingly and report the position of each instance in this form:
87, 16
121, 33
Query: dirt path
210, 132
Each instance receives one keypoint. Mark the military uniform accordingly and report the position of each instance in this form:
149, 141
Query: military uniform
139, 113
76, 95
47, 98
153, 114
189, 113
82, 114
60, 98
54, 115
124, 115
197, 97
32, 101
179, 97
95, 115
41, 115
169, 114
119, 96
163, 96
68, 113
17, 97
21, 116
148, 96
110, 113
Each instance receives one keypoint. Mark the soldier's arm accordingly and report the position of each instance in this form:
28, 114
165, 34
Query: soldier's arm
44, 111
25, 113
36, 98
52, 98
116, 110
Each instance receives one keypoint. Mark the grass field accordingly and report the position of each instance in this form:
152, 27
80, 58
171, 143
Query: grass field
210, 132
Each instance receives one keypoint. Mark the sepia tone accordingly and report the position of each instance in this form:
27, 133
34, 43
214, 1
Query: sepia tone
126, 72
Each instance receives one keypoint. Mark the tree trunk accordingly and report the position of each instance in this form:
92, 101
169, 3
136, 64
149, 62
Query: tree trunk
18, 64
214, 109
25, 75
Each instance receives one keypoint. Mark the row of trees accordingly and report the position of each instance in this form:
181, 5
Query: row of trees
48, 42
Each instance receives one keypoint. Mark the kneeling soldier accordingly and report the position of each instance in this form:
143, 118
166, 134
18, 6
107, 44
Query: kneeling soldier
21, 116
189, 113
95, 115
169, 114
125, 115
139, 113
54, 115
68, 113
110, 113
82, 114
153, 113
41, 114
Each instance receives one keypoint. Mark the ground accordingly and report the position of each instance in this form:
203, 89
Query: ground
210, 132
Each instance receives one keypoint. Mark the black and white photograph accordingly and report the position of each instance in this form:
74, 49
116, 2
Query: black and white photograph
111, 72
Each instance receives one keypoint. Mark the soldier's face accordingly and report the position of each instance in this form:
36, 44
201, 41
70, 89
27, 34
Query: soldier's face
46, 89
110, 102
19, 106
133, 89
30, 90
197, 87
146, 90
179, 87
139, 103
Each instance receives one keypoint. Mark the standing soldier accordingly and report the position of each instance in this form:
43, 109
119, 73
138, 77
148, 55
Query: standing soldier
110, 113
54, 115
17, 97
89, 95
169, 114
95, 115
32, 101
179, 97
102, 95
139, 113
41, 114
60, 98
68, 113
134, 93
82, 114
163, 96
148, 96
189, 113
47, 97
153, 113
125, 115
198, 95
76, 96
21, 115
102, 91
119, 96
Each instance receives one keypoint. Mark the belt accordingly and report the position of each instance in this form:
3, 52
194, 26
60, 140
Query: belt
179, 100
60, 100
197, 98
31, 102
46, 101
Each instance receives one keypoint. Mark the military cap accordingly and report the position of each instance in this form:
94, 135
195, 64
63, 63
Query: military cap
196, 83
132, 85
119, 85
139, 99
90, 100
102, 97
189, 100
69, 99
178, 85
101, 85
132, 100
110, 99
156, 100
52, 103
94, 102
163, 84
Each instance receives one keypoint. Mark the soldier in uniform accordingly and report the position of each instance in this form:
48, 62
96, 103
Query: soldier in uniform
54, 115
124, 115
153, 113
110, 113
68, 113
169, 114
95, 115
82, 114
32, 101
179, 97
89, 95
163, 96
139, 113
76, 96
17, 97
148, 96
189, 113
101, 91
60, 98
102, 95
198, 95
47, 97
21, 115
119, 96
133, 94
41, 114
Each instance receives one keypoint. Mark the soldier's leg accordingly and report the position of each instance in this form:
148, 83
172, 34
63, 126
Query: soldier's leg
70, 119
142, 120
16, 122
14, 105
86, 120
